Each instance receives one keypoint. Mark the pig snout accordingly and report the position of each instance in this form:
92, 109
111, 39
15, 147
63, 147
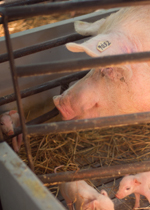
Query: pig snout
80, 99
63, 106
119, 196
9, 133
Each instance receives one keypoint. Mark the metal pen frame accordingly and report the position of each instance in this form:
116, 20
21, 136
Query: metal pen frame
15, 12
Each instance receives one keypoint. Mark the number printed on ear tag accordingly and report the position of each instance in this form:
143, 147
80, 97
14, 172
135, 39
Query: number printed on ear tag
103, 45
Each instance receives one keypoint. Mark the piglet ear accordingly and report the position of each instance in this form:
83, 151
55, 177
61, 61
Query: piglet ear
92, 205
136, 182
12, 112
103, 192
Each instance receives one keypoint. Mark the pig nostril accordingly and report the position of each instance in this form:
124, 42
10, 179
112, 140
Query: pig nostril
97, 105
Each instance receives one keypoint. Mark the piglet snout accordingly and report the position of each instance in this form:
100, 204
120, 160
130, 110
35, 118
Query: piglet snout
10, 133
117, 196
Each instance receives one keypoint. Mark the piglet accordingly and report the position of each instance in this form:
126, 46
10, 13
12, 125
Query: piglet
138, 184
84, 196
8, 122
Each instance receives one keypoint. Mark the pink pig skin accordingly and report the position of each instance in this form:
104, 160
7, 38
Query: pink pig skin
138, 184
112, 90
9, 121
85, 197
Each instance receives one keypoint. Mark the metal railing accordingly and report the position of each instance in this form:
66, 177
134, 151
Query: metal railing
16, 12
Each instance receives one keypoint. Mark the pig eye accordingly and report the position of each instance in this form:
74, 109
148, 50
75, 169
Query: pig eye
1, 123
128, 188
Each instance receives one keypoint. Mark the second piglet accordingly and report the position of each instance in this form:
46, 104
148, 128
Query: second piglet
85, 197
8, 122
138, 184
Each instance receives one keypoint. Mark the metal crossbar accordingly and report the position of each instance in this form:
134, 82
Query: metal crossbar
69, 6
81, 64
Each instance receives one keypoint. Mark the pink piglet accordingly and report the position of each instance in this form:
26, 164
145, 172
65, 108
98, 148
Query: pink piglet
84, 196
138, 184
8, 122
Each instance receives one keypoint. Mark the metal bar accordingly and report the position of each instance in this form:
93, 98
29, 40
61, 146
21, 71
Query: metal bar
47, 116
16, 88
1, 136
64, 87
43, 46
87, 124
98, 173
21, 2
81, 64
63, 7
43, 87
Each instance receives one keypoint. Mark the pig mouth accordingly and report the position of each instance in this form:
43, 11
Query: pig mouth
66, 113
117, 196
65, 109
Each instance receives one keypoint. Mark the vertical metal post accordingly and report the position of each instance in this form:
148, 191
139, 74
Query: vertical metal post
17, 92
1, 136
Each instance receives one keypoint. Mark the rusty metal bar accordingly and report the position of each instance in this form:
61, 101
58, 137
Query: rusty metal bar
17, 92
87, 124
43, 87
98, 173
81, 64
43, 46
63, 7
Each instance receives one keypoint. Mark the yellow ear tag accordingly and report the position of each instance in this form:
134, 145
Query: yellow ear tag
103, 45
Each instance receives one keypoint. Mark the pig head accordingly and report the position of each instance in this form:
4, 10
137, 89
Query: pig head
8, 122
112, 90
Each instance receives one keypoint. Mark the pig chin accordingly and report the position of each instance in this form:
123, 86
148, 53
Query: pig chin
66, 114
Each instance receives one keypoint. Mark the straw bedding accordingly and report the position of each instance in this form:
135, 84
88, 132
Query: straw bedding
89, 149
101, 147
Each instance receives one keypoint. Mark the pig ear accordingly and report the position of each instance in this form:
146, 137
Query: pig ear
12, 112
136, 182
92, 205
95, 46
74, 47
103, 192
86, 29
89, 47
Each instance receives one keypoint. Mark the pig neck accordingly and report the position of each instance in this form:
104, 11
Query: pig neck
144, 178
